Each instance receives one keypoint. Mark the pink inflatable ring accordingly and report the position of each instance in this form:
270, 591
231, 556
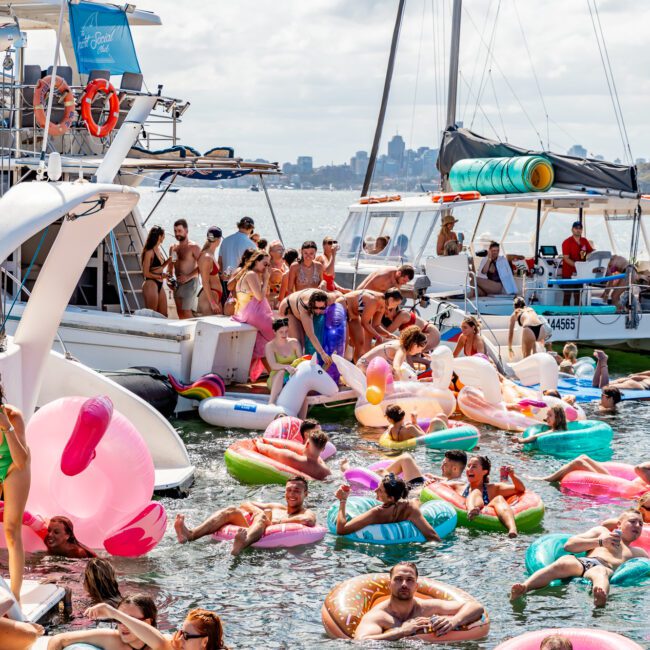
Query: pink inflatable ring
621, 482
581, 638
278, 535
288, 428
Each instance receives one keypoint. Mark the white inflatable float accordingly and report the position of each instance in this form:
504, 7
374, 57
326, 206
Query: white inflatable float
427, 399
255, 415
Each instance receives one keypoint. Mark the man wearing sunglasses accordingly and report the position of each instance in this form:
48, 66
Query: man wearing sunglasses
252, 517
574, 249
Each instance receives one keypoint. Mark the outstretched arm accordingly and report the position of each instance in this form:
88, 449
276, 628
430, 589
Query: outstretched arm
418, 520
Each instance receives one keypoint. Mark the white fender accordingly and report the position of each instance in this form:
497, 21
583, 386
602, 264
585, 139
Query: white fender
238, 414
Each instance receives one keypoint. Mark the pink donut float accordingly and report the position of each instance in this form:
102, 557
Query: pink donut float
581, 638
621, 482
90, 464
288, 428
277, 535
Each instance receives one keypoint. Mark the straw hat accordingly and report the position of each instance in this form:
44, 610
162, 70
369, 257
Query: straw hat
448, 219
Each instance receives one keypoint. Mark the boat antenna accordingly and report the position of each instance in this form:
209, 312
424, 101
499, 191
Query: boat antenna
384, 100
50, 99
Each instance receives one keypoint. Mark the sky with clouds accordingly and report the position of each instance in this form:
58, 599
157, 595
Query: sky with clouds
286, 78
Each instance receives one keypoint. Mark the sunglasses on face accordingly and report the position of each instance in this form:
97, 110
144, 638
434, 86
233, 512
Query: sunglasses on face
330, 243
319, 308
284, 321
187, 636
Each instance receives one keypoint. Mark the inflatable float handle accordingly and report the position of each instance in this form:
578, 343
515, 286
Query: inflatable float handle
532, 402
92, 422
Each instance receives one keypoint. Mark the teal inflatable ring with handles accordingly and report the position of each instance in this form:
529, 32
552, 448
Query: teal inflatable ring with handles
439, 514
581, 437
548, 548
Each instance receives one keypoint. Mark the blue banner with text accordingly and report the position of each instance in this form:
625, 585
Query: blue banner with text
102, 39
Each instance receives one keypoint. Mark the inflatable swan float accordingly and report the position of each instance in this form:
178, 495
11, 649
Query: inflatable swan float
377, 390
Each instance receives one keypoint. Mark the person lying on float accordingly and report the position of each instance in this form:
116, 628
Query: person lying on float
394, 507
252, 517
404, 615
606, 551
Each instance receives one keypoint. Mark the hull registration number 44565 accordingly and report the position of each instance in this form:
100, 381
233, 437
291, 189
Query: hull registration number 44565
562, 323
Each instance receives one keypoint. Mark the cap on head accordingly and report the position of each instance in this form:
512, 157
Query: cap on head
576, 224
246, 222
214, 233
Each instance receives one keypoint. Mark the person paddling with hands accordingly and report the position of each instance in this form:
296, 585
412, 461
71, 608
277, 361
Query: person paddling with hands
606, 551
403, 615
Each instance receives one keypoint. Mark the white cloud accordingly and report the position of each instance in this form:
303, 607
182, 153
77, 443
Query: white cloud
294, 77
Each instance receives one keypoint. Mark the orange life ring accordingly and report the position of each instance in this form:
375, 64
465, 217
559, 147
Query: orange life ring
365, 200
450, 197
42, 88
94, 87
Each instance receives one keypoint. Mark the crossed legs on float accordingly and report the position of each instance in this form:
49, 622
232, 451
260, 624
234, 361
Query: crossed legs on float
247, 536
582, 462
15, 490
404, 465
505, 514
231, 515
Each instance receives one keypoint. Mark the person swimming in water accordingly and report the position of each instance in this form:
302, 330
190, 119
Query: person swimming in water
556, 421
60, 540
606, 551
253, 517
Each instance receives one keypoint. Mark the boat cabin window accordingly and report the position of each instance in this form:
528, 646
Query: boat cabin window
519, 238
380, 233
494, 221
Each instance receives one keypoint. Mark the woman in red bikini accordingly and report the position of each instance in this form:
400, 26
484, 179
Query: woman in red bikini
470, 341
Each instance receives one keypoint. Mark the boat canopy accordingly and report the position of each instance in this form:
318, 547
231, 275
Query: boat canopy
577, 173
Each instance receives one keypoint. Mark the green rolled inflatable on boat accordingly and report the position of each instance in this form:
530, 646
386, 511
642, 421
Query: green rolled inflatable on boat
502, 175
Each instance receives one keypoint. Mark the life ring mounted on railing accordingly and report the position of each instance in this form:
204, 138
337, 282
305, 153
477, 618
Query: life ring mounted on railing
94, 87
43, 87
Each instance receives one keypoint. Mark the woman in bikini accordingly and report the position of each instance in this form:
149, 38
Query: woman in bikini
395, 507
446, 234
277, 268
365, 309
470, 341
210, 294
154, 270
300, 308
253, 308
410, 343
635, 381
15, 479
306, 272
396, 319
328, 259
280, 353
531, 325
478, 492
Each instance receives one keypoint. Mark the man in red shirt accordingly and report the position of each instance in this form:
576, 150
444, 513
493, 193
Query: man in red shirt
574, 249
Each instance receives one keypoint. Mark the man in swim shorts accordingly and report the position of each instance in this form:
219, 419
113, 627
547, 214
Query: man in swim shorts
185, 258
606, 551
308, 462
253, 517
404, 615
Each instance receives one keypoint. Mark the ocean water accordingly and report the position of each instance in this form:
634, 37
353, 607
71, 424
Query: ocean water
272, 598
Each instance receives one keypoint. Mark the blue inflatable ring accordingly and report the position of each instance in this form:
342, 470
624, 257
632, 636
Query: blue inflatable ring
581, 437
439, 514
548, 548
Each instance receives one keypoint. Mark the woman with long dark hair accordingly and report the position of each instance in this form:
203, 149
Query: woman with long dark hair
15, 479
154, 268
306, 272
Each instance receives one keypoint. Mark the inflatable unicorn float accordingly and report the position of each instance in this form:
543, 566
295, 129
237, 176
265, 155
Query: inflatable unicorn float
377, 389
90, 464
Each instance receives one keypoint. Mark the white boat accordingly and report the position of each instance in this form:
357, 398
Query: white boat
104, 325
531, 226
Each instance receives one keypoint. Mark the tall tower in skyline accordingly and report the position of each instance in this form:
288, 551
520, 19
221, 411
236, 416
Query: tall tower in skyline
396, 148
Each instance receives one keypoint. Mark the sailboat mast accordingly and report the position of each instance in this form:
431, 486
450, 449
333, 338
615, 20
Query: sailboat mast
452, 94
384, 100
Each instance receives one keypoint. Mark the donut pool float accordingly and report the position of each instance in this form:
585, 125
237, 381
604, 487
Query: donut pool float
460, 436
581, 638
528, 509
548, 548
621, 482
287, 427
351, 599
581, 437
248, 465
440, 516
277, 535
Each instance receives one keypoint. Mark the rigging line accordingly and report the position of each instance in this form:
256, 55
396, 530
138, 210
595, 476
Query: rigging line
476, 58
561, 128
512, 90
611, 74
537, 84
436, 70
490, 55
469, 93
607, 79
417, 83
496, 101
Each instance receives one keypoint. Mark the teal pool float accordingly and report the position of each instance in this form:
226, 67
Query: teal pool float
581, 437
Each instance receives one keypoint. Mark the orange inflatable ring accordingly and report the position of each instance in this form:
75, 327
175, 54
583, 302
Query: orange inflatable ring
94, 87
350, 600
451, 197
365, 200
42, 88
